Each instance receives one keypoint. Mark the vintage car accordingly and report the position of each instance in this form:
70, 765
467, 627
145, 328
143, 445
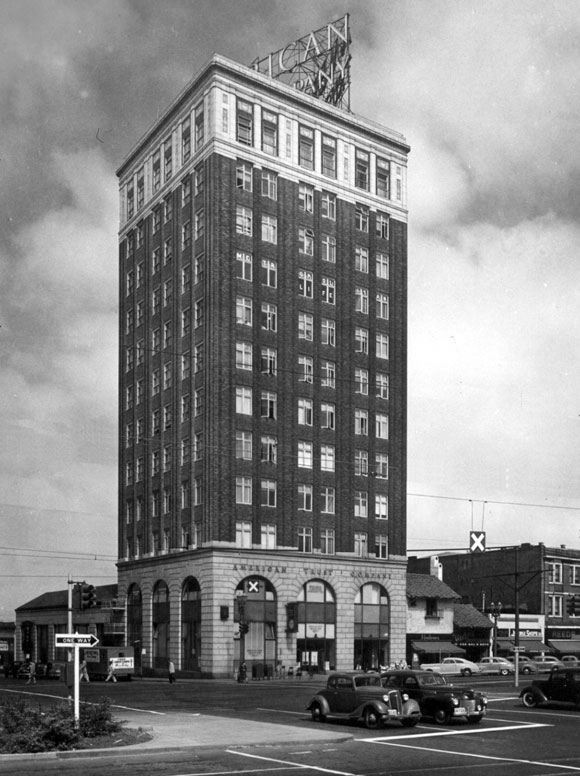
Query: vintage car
526, 665
496, 665
561, 686
545, 663
456, 666
570, 660
437, 699
356, 696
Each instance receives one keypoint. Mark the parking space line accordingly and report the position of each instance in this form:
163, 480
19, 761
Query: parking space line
291, 764
462, 732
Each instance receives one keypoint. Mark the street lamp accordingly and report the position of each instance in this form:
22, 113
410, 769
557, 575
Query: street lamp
495, 611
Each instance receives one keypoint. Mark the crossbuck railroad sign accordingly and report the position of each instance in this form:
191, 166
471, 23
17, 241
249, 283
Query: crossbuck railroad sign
477, 541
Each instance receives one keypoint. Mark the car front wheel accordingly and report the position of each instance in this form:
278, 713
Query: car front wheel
529, 700
441, 716
466, 672
526, 670
317, 713
504, 672
372, 719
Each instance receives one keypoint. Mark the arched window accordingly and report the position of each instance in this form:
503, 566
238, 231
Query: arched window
255, 608
316, 617
371, 627
190, 625
160, 625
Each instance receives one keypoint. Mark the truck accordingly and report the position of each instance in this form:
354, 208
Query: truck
99, 658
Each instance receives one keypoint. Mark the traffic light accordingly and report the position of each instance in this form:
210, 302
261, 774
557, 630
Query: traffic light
291, 617
88, 596
240, 607
573, 605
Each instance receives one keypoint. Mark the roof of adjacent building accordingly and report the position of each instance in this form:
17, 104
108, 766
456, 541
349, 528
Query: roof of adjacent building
429, 586
467, 616
58, 599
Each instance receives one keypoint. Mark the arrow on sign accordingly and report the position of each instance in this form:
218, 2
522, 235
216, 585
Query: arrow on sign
75, 640
477, 541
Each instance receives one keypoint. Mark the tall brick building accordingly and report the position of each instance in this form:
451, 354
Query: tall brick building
263, 309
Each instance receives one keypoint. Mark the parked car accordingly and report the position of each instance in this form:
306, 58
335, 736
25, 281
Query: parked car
42, 671
455, 666
436, 698
570, 660
496, 665
547, 662
357, 696
561, 686
525, 665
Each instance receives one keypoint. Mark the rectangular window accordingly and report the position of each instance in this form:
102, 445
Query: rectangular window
268, 537
327, 458
185, 140
382, 466
130, 201
383, 172
168, 250
381, 546
185, 408
198, 358
361, 422
361, 303
269, 405
305, 498
168, 159
244, 355
167, 375
268, 493
361, 218
269, 133
306, 198
305, 539
156, 171
306, 241
361, 381
244, 265
327, 541
361, 463
244, 310
269, 184
167, 209
305, 455
328, 290
381, 426
186, 190
327, 416
361, 340
269, 273
328, 156
304, 412
244, 445
382, 265
361, 503
382, 226
305, 369
361, 170
555, 606
199, 223
140, 188
155, 260
185, 366
382, 306
382, 346
155, 462
244, 220
243, 534
199, 180
328, 374
575, 575
198, 402
167, 292
306, 147
166, 458
554, 573
269, 361
328, 206
269, 317
269, 449
243, 400
381, 506
244, 176
328, 332
156, 340
361, 258
167, 334
269, 228
245, 123
305, 326
306, 284
328, 252
361, 544
129, 397
243, 490
167, 416
198, 446
327, 497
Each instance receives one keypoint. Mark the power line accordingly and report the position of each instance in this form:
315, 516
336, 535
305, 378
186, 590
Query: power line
491, 501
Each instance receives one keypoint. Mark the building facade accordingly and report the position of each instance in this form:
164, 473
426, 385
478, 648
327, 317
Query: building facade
263, 326
544, 580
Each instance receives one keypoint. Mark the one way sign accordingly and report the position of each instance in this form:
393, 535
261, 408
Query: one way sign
477, 541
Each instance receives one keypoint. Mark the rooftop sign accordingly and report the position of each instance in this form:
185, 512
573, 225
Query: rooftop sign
317, 64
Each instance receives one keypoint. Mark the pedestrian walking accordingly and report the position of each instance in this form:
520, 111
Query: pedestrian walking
111, 675
243, 673
31, 672
84, 672
171, 666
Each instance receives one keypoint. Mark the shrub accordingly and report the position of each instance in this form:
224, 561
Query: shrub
27, 728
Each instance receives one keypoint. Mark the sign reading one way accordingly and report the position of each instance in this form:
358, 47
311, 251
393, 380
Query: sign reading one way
75, 640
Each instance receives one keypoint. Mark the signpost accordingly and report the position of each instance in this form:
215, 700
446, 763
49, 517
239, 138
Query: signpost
75, 641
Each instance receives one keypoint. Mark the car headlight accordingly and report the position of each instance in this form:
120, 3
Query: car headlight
405, 697
455, 700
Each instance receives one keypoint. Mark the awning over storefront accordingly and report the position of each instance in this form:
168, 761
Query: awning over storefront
527, 644
437, 648
566, 646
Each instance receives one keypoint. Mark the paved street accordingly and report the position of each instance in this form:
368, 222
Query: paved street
208, 728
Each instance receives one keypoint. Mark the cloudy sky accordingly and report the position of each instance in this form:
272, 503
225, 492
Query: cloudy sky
488, 96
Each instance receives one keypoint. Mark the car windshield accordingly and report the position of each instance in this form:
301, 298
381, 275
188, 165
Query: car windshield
369, 680
431, 679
